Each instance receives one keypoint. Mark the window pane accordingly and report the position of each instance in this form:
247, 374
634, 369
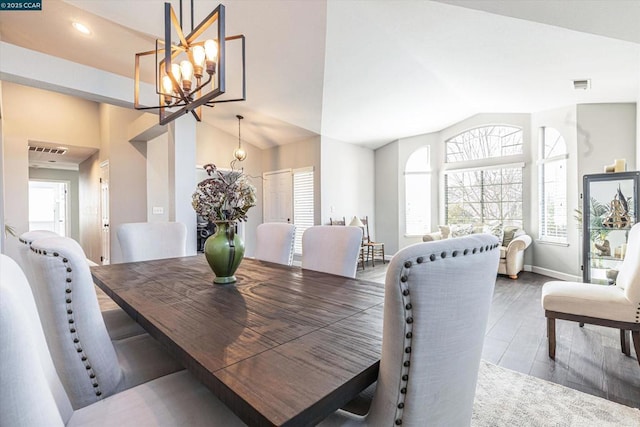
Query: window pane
553, 187
487, 195
484, 142
418, 193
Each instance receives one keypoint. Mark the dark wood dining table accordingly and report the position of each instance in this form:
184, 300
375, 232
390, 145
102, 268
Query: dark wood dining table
283, 346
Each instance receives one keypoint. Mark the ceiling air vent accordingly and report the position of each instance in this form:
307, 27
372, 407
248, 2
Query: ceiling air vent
48, 150
582, 84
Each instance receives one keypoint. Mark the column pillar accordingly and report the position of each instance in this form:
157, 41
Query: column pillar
182, 176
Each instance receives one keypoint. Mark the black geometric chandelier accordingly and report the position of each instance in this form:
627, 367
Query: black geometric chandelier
192, 71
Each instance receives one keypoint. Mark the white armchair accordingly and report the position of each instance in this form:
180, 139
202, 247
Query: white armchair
616, 306
512, 256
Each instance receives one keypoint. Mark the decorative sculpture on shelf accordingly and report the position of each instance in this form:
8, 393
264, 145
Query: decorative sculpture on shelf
604, 248
618, 216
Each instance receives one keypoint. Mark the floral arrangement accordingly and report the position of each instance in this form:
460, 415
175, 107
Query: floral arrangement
225, 196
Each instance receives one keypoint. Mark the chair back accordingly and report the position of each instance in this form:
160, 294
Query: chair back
332, 250
24, 248
274, 242
437, 300
31, 392
629, 272
143, 241
80, 346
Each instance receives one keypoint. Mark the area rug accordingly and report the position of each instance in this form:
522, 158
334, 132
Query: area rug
508, 398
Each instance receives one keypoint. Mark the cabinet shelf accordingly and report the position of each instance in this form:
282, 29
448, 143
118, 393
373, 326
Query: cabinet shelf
603, 200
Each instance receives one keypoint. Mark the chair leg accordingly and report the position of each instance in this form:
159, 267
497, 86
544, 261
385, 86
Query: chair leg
624, 342
636, 343
551, 333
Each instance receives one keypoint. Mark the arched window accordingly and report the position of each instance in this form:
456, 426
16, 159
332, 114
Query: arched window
417, 184
552, 173
487, 188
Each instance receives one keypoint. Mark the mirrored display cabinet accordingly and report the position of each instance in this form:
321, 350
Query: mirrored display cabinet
610, 208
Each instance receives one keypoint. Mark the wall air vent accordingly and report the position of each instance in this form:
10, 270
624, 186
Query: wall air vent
48, 150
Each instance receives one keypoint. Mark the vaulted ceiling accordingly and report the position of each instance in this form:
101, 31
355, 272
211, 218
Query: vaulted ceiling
370, 72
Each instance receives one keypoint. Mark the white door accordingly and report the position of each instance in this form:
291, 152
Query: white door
277, 195
105, 235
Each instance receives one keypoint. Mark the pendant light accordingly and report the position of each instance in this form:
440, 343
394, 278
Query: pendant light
240, 154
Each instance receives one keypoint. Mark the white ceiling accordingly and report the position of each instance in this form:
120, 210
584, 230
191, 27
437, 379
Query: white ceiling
370, 72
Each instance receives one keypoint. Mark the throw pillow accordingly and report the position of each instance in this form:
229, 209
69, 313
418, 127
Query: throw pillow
444, 231
509, 234
495, 229
459, 230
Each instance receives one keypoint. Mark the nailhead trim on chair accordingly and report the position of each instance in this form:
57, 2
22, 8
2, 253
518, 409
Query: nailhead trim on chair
68, 294
408, 316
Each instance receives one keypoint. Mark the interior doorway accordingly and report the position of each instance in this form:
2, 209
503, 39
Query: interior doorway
49, 206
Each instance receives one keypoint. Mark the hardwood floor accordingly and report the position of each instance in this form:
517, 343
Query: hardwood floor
587, 359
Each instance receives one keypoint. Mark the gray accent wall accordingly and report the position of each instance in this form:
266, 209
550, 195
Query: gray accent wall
348, 177
387, 196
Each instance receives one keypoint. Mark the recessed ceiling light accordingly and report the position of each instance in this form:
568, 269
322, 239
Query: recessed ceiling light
82, 28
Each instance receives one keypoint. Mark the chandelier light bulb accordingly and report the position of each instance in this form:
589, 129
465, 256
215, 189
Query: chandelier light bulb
186, 68
175, 72
167, 89
211, 54
198, 60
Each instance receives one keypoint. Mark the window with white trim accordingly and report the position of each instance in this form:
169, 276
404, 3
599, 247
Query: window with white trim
303, 206
552, 186
486, 188
417, 184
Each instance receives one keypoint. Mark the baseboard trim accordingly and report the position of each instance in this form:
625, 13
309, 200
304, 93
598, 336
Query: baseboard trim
556, 274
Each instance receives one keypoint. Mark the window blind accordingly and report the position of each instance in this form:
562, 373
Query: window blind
303, 207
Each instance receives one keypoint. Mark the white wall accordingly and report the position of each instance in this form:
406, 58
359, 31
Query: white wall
127, 172
158, 179
348, 177
34, 114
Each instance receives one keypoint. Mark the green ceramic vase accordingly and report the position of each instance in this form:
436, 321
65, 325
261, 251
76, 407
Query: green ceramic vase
224, 251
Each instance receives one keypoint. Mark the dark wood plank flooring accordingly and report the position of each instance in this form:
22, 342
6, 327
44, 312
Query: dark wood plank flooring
587, 359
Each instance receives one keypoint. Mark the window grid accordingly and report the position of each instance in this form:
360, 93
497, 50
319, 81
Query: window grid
483, 143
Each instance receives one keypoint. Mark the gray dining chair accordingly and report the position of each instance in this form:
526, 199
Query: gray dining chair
143, 241
90, 364
436, 305
32, 393
118, 323
331, 249
274, 242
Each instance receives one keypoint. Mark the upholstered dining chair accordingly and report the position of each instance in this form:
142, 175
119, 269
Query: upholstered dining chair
616, 306
32, 393
436, 304
274, 242
332, 250
90, 364
118, 323
143, 241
